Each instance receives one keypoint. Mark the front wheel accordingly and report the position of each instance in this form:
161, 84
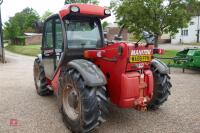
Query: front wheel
161, 91
40, 80
83, 108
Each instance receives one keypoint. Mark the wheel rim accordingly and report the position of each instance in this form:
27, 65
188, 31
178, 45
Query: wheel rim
37, 76
71, 103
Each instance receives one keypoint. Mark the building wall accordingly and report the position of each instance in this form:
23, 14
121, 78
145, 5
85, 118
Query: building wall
112, 31
191, 37
165, 38
36, 39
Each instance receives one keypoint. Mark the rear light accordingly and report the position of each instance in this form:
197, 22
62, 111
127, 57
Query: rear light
74, 9
159, 51
107, 12
93, 54
86, 54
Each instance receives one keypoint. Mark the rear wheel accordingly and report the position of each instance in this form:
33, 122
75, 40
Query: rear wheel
83, 108
161, 92
40, 80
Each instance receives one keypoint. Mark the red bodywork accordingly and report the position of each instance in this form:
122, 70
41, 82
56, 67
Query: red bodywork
85, 9
129, 84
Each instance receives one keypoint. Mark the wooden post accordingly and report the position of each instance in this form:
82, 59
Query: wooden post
2, 53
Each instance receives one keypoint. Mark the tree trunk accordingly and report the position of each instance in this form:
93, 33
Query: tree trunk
156, 41
12, 41
121, 30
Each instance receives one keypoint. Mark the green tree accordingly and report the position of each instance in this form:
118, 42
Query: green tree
155, 16
95, 2
104, 24
194, 7
46, 15
11, 30
22, 22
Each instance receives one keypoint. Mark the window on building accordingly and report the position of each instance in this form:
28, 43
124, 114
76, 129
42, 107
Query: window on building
191, 23
184, 32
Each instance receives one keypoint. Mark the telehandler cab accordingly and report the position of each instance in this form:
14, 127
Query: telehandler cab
85, 73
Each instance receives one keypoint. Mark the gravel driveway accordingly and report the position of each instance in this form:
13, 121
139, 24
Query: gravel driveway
35, 114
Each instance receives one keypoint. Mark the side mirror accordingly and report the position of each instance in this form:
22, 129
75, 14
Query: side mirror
150, 38
146, 34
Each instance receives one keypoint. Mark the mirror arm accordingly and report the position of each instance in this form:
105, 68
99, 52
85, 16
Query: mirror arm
121, 30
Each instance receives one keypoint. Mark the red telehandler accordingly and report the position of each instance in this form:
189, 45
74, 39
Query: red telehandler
85, 73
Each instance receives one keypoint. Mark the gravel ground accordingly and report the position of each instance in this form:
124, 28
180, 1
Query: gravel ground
176, 47
35, 114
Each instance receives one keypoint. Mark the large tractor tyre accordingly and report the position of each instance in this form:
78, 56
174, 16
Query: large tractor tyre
161, 92
40, 80
83, 108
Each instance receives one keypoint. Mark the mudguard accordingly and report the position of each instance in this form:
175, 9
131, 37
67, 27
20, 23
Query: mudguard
40, 57
160, 66
91, 74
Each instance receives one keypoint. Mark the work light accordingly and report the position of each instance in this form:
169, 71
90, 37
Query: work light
107, 12
75, 9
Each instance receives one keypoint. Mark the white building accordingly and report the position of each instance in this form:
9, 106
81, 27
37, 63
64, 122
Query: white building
189, 34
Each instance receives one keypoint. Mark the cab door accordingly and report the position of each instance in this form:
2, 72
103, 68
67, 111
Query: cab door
52, 47
59, 42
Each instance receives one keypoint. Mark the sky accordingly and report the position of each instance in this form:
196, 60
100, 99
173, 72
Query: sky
10, 7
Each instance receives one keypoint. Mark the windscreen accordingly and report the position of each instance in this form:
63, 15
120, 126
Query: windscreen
83, 34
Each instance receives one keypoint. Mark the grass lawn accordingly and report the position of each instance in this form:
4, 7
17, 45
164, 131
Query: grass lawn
168, 54
30, 50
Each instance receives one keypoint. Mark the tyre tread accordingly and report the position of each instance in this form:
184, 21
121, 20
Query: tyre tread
94, 102
161, 89
42, 90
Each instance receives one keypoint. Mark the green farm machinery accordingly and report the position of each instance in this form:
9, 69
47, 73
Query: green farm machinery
189, 58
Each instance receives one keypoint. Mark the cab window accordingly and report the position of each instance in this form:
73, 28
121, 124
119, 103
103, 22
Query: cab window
83, 34
58, 35
48, 38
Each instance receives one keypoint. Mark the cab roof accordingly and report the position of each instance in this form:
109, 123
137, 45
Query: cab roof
84, 9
